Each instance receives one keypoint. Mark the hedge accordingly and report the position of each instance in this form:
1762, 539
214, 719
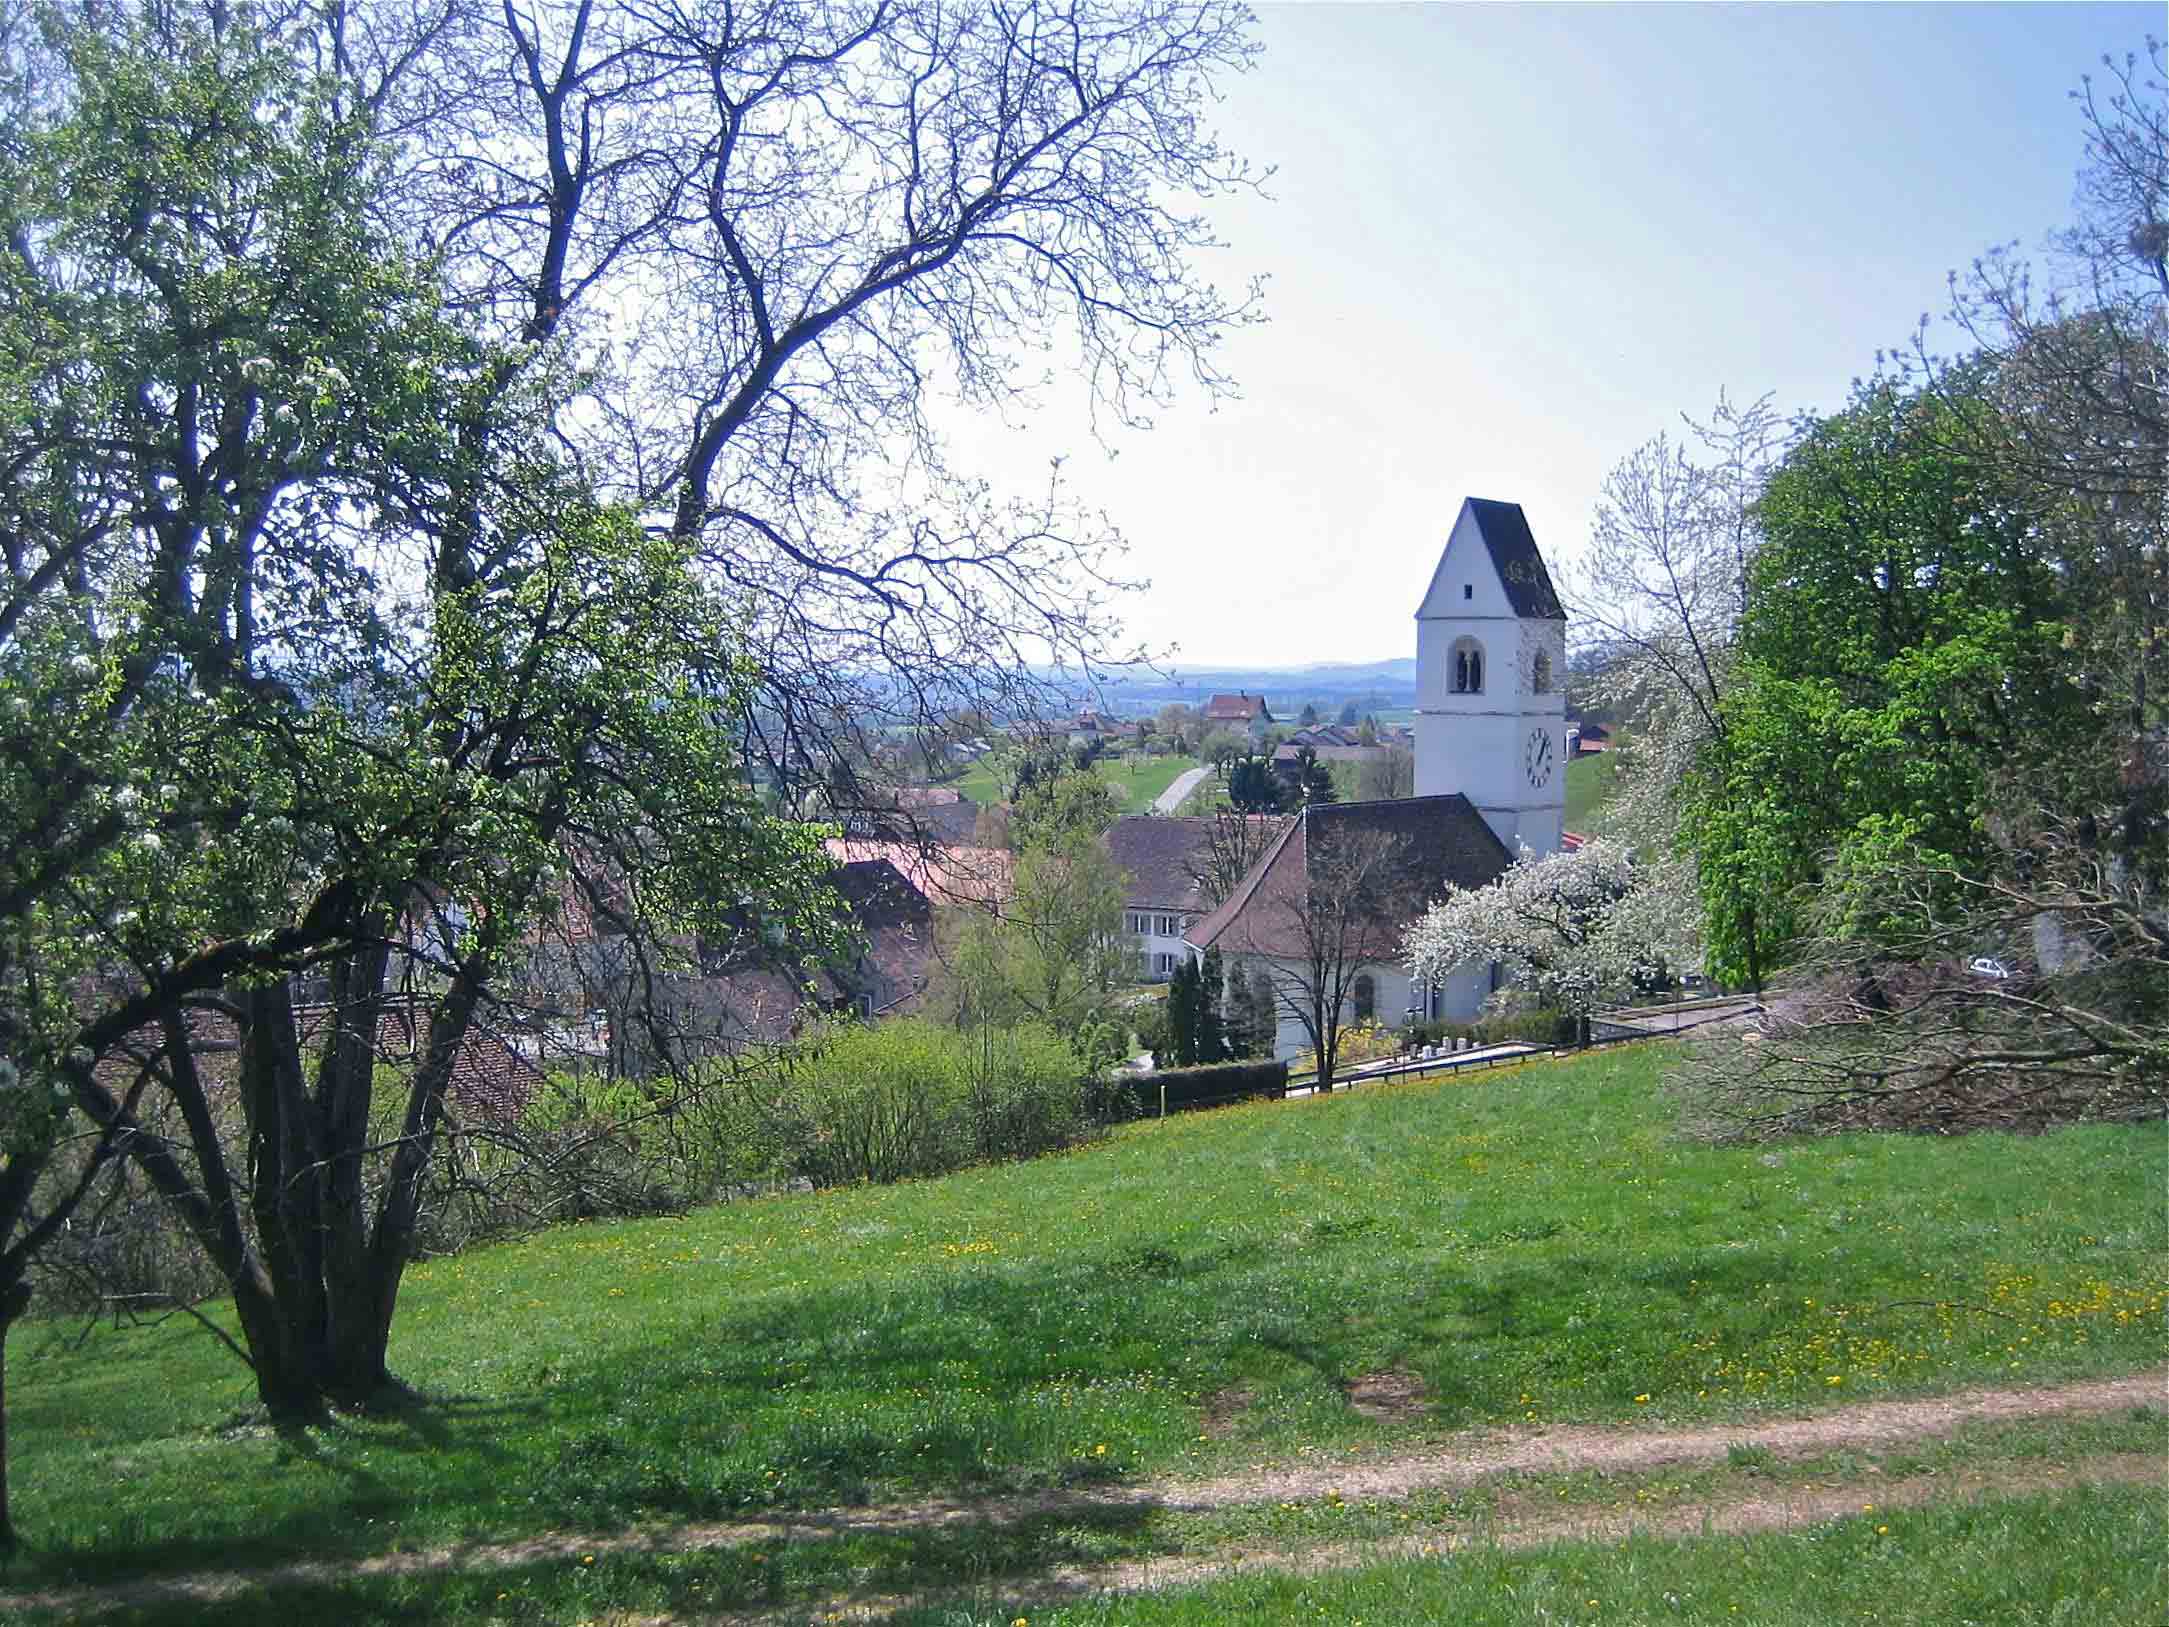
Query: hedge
1209, 1086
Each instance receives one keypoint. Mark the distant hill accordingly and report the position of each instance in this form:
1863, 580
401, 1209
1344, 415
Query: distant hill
1371, 686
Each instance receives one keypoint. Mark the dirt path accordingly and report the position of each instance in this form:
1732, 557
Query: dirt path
1514, 1523
1469, 1460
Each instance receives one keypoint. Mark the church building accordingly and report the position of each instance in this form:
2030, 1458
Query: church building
1490, 780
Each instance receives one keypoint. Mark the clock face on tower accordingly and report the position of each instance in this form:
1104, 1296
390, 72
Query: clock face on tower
1538, 758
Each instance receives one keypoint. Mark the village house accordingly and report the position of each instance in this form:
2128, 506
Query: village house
1243, 713
1165, 861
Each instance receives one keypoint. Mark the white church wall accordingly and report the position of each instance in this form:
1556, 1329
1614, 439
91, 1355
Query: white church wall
1460, 999
1485, 744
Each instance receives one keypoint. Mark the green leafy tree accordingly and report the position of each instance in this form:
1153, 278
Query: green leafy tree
314, 662
1053, 953
1196, 1026
1220, 747
1183, 991
1253, 787
318, 656
1212, 1020
1313, 779
1903, 637
1254, 1021
1968, 634
1058, 813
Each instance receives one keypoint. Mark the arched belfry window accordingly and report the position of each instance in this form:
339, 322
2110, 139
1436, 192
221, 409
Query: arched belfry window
1467, 667
1540, 674
1366, 997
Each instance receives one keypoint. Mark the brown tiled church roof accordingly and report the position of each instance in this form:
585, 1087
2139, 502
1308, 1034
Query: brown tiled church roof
1444, 840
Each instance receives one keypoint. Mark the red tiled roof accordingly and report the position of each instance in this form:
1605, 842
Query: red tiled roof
949, 875
1236, 709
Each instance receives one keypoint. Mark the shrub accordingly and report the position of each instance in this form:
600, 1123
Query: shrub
906, 1098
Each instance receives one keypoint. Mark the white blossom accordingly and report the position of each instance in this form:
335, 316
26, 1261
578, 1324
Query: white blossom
1575, 928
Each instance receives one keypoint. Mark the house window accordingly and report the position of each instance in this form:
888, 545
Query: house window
1366, 997
1540, 674
1468, 590
1468, 667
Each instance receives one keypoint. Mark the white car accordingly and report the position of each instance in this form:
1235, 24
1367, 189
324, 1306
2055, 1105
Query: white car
1988, 966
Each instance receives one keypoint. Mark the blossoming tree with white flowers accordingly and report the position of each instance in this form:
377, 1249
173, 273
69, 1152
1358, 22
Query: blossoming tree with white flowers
1574, 929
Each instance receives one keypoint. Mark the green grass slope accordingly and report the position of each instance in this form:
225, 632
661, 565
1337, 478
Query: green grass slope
1533, 1245
1588, 786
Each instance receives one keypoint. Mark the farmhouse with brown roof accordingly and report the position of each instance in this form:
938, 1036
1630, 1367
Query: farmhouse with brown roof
1244, 712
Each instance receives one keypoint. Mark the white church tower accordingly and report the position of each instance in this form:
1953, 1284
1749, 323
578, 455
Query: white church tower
1490, 662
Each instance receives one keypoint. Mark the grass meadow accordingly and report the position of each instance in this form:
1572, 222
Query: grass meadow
1137, 780
1588, 785
1188, 1297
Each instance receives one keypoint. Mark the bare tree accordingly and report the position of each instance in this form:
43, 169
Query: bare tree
1236, 842
1662, 588
1393, 775
775, 238
1340, 911
2068, 1019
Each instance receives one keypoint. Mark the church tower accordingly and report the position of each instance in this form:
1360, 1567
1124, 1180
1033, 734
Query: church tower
1490, 662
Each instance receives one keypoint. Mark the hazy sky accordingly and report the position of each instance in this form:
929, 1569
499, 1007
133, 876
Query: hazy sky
1508, 243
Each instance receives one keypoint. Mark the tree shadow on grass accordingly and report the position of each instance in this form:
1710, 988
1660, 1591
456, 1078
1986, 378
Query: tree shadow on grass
962, 1380
351, 1511
814, 1560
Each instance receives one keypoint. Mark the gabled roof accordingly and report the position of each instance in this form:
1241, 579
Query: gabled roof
1505, 530
1446, 841
1162, 857
982, 876
758, 1000
1502, 530
1236, 708
928, 815
1328, 752
878, 894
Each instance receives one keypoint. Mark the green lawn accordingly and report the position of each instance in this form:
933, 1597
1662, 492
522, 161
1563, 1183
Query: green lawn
1535, 1245
982, 783
1142, 781
2092, 1555
1139, 785
1588, 785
